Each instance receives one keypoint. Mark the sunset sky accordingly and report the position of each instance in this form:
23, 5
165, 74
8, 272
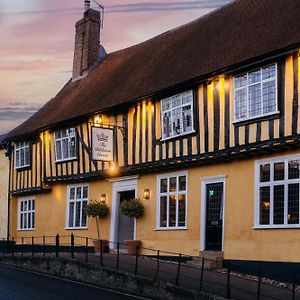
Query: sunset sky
37, 39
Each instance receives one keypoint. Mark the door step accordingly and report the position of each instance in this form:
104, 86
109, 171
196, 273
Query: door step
213, 260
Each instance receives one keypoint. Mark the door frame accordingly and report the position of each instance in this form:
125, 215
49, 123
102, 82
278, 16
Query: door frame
204, 182
120, 185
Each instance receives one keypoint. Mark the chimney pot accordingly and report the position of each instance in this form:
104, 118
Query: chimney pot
87, 5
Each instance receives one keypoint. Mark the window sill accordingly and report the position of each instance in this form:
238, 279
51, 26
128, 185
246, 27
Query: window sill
27, 229
171, 228
177, 136
268, 227
65, 160
20, 169
76, 228
266, 117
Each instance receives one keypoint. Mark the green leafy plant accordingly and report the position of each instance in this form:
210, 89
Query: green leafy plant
132, 208
97, 211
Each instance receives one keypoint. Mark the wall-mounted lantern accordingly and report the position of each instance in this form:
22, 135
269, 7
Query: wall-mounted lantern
103, 198
146, 194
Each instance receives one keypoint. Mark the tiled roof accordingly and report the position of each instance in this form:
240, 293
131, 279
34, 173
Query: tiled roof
236, 33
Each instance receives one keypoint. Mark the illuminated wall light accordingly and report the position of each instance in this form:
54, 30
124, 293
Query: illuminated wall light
146, 194
103, 198
98, 120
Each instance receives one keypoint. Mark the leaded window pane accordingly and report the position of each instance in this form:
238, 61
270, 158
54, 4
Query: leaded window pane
241, 104
164, 185
278, 215
254, 76
163, 211
182, 183
294, 169
254, 100
269, 97
279, 171
181, 210
264, 206
265, 173
172, 211
241, 81
71, 214
173, 183
293, 203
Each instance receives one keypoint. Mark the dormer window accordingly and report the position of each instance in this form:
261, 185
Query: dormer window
22, 155
177, 115
255, 93
65, 144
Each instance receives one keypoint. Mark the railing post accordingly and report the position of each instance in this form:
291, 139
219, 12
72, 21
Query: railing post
43, 246
86, 249
118, 255
3, 247
157, 266
13, 247
294, 285
57, 245
202, 272
72, 245
101, 253
22, 247
258, 285
178, 269
136, 260
228, 290
32, 246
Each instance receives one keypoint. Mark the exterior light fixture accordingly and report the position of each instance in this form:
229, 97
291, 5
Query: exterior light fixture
103, 198
146, 194
98, 120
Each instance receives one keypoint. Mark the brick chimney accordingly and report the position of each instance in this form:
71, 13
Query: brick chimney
87, 42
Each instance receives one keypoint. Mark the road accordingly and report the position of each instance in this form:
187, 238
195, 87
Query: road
16, 284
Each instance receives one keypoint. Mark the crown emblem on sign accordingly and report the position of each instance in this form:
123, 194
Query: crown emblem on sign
102, 137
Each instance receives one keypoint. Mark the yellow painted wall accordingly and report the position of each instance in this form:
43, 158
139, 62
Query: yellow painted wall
4, 169
242, 242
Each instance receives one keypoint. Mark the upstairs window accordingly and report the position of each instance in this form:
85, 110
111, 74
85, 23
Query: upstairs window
255, 93
22, 155
177, 115
278, 192
65, 144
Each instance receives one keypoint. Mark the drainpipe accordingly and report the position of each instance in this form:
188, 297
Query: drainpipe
8, 154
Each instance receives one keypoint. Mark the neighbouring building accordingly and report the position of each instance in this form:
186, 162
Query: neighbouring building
4, 175
204, 118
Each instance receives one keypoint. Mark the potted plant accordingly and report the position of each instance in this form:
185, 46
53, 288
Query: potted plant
98, 210
133, 209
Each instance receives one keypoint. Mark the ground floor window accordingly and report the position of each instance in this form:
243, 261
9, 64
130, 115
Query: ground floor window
172, 201
76, 206
278, 194
26, 214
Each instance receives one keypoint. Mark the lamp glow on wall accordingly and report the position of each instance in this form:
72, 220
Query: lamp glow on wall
98, 120
103, 198
146, 194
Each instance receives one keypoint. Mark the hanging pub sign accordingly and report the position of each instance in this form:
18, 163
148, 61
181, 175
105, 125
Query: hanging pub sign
102, 144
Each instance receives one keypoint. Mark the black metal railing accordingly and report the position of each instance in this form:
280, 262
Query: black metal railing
158, 265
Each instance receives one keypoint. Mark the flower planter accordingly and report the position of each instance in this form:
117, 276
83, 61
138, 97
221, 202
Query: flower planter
97, 246
132, 246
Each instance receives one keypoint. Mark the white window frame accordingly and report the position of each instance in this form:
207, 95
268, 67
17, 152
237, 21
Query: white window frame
276, 111
68, 138
170, 110
167, 194
75, 201
271, 183
31, 211
18, 147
